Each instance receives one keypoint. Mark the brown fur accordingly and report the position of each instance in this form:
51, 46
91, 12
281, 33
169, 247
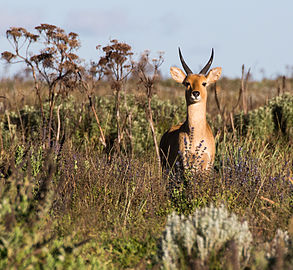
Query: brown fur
193, 139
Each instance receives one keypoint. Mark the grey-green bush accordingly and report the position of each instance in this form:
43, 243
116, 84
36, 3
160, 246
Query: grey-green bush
275, 118
205, 232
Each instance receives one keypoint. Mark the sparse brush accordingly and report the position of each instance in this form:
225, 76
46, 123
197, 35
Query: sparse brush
26, 239
56, 65
117, 66
83, 205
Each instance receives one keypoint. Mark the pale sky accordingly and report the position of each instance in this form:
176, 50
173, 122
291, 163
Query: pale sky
256, 33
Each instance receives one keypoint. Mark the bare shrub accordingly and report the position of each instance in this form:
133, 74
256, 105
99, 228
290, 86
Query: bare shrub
56, 65
116, 65
148, 73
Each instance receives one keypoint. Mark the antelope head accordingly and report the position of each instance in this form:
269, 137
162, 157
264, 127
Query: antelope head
196, 84
195, 132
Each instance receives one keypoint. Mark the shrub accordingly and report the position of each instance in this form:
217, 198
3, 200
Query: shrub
274, 118
199, 236
27, 237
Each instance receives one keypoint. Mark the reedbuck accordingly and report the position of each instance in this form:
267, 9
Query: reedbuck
192, 143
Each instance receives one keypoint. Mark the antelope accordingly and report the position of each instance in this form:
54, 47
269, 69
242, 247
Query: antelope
191, 143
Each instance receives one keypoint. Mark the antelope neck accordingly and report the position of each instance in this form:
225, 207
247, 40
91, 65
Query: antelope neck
196, 117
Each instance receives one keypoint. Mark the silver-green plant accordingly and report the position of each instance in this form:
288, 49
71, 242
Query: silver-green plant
281, 240
207, 231
275, 117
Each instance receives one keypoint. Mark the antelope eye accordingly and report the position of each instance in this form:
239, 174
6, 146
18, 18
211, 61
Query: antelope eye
187, 84
204, 83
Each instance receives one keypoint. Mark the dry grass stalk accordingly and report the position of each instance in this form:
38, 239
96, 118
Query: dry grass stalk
243, 91
148, 74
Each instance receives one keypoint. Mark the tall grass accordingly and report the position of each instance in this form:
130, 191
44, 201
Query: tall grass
121, 202
78, 204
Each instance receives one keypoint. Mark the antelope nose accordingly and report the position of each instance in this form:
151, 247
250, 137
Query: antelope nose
196, 93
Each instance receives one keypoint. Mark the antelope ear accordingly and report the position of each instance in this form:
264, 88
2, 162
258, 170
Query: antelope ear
213, 75
177, 74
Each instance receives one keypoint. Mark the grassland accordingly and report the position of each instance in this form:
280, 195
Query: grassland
73, 200
86, 205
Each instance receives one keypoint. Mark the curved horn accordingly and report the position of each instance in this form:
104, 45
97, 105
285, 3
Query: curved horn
207, 66
186, 68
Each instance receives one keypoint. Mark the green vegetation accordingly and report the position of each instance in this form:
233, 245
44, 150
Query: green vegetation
81, 188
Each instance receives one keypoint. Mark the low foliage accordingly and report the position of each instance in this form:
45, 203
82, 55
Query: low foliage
27, 237
121, 203
273, 119
203, 234
80, 186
